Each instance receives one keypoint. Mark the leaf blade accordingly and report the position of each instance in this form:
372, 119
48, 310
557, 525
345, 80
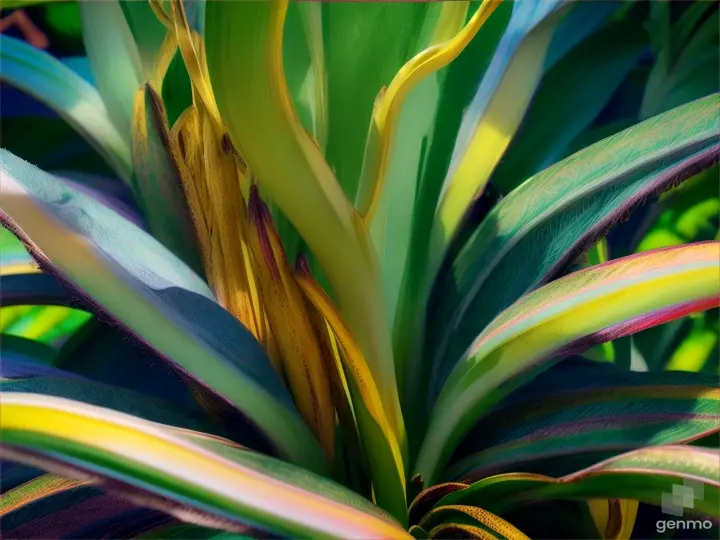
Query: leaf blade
573, 201
597, 304
177, 463
135, 281
60, 88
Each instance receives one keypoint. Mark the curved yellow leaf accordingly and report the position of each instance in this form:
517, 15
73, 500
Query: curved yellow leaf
234, 485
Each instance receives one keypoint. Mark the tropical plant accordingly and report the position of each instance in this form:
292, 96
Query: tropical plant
415, 373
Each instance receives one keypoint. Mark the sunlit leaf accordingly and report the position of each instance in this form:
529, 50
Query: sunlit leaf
251, 90
569, 315
138, 283
573, 202
223, 485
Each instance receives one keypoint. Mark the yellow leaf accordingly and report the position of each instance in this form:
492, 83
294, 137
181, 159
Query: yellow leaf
291, 326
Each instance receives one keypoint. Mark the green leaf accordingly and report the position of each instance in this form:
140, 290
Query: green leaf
135, 281
365, 46
573, 202
567, 316
176, 89
148, 33
75, 100
14, 258
461, 78
577, 410
51, 325
304, 66
488, 124
494, 115
399, 136
244, 44
698, 350
219, 482
157, 181
106, 34
649, 475
566, 103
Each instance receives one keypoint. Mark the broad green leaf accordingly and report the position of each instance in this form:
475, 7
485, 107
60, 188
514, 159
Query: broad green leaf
494, 115
157, 181
215, 480
388, 106
401, 127
573, 202
566, 103
461, 78
580, 410
568, 315
75, 100
149, 292
649, 475
365, 46
488, 125
106, 34
244, 45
